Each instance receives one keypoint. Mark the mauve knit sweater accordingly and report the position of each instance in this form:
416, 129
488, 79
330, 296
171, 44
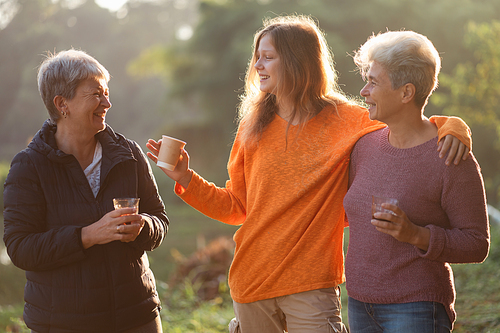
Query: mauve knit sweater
449, 200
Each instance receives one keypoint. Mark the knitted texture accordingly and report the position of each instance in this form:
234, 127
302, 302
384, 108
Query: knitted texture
449, 200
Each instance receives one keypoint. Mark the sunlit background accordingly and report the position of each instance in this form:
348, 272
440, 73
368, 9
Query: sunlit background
112, 5
177, 68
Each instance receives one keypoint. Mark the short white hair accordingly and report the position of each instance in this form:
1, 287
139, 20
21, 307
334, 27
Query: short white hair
407, 56
61, 73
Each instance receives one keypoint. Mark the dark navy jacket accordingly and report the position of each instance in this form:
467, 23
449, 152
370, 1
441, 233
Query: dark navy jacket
47, 198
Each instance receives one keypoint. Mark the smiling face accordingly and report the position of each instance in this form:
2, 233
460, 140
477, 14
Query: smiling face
267, 65
86, 111
383, 101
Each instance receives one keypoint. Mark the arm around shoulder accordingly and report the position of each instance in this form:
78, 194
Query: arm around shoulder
453, 126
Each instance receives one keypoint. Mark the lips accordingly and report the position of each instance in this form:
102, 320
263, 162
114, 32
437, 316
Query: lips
370, 105
100, 114
264, 77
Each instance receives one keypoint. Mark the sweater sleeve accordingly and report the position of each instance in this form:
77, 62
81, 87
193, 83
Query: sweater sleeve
464, 201
29, 245
228, 204
151, 205
453, 126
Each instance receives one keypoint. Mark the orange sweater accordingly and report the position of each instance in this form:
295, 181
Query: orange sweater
288, 202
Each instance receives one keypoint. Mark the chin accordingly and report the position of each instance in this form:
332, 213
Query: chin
101, 127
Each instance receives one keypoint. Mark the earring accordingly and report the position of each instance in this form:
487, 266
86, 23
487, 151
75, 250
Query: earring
64, 114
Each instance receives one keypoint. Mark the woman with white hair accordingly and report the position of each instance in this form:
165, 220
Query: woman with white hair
398, 275
85, 263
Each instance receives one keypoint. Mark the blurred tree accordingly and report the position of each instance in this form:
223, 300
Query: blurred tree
472, 92
114, 39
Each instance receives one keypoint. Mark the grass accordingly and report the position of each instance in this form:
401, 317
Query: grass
477, 305
478, 292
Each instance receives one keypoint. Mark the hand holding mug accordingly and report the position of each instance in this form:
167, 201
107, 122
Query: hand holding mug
181, 173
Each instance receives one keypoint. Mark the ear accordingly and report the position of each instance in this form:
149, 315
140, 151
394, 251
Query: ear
60, 103
408, 92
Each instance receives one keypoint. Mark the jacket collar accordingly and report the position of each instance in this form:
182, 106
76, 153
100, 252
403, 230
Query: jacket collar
115, 147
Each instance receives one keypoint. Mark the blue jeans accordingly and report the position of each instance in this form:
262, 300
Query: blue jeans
416, 317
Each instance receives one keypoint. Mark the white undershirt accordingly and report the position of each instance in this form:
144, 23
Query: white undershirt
93, 171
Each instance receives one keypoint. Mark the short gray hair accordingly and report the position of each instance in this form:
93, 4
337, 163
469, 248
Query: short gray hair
61, 73
408, 57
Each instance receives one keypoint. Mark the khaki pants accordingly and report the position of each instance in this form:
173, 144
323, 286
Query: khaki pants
312, 311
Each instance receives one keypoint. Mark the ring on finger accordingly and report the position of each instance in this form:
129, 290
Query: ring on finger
118, 229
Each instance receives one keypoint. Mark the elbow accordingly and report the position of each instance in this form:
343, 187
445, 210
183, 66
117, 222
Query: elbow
16, 259
480, 253
484, 251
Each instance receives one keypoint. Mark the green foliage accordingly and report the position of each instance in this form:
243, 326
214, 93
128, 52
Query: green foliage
472, 91
478, 291
184, 312
11, 319
4, 171
474, 86
12, 281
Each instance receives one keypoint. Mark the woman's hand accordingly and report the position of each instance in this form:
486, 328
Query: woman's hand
456, 149
181, 174
120, 224
398, 225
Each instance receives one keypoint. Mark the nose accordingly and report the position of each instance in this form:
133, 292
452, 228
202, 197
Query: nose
257, 64
106, 102
364, 91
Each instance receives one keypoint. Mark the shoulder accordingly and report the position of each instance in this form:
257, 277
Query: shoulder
22, 168
25, 159
374, 137
351, 116
467, 169
368, 147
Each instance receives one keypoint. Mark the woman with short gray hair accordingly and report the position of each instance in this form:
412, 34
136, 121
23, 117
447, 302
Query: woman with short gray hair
86, 265
398, 273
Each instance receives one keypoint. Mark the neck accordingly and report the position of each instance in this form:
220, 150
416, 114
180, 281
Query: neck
412, 129
80, 146
285, 112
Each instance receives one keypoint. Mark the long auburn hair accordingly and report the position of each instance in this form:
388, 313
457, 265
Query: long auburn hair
308, 79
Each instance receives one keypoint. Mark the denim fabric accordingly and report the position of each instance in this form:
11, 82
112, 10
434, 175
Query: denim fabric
416, 317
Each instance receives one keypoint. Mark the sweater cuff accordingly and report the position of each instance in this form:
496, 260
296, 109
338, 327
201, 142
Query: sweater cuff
181, 190
454, 126
436, 243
